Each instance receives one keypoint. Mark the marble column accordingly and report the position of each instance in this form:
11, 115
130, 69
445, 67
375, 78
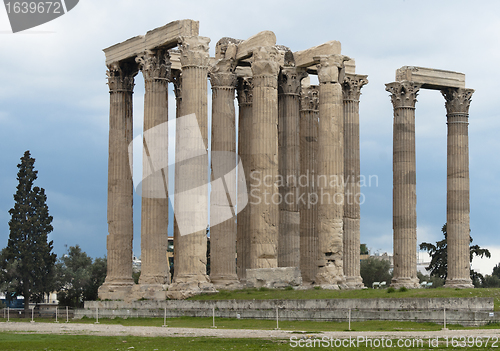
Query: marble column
191, 172
155, 273
351, 89
223, 230
458, 207
245, 93
264, 194
308, 208
404, 97
330, 168
289, 165
120, 186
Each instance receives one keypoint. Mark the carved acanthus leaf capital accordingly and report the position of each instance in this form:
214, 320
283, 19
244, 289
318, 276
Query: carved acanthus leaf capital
194, 51
222, 73
457, 100
310, 98
120, 77
155, 65
289, 80
330, 67
177, 80
351, 86
265, 62
403, 94
245, 91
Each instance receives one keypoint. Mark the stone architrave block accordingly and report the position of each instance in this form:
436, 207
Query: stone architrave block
305, 58
430, 78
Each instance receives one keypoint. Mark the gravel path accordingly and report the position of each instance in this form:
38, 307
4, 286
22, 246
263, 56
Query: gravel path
117, 330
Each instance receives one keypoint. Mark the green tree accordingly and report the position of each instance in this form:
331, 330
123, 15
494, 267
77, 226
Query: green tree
438, 266
28, 261
79, 277
375, 270
496, 271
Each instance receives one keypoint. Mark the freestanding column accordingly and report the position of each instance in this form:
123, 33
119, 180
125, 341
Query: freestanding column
352, 90
264, 202
330, 165
120, 187
404, 97
155, 67
191, 172
308, 208
458, 208
223, 234
245, 92
289, 165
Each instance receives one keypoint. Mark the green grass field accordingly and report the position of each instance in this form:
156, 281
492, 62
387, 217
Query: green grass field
285, 294
32, 342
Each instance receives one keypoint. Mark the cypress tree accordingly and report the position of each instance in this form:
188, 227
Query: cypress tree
28, 249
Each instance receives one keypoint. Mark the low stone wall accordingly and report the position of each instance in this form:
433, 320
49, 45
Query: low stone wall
465, 311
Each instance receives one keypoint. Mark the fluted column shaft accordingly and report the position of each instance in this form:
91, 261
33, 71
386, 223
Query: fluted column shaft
330, 173
245, 93
120, 186
289, 165
223, 235
308, 208
404, 97
351, 91
458, 206
155, 67
191, 173
264, 202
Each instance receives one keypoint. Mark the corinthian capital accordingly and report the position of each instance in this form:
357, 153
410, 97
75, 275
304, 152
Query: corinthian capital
155, 65
194, 51
222, 73
457, 100
265, 62
351, 86
329, 67
121, 77
289, 80
245, 91
403, 94
310, 98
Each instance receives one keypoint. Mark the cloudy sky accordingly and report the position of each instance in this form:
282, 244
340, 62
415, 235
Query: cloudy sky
54, 101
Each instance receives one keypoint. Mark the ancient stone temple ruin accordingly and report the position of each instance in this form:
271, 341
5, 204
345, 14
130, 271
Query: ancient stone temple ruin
282, 194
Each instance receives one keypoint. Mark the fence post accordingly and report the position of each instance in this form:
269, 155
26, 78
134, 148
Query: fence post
32, 314
277, 319
349, 319
444, 324
97, 315
56, 316
8, 314
165, 318
213, 317
67, 315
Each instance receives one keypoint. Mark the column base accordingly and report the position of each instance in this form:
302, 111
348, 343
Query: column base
331, 278
156, 292
227, 282
409, 283
279, 277
459, 283
354, 283
115, 290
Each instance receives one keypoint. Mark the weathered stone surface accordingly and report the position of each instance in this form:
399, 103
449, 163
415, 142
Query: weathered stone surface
166, 37
120, 186
309, 57
279, 277
246, 48
330, 166
430, 78
457, 204
351, 89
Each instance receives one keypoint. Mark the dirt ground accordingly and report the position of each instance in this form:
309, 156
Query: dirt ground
117, 330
